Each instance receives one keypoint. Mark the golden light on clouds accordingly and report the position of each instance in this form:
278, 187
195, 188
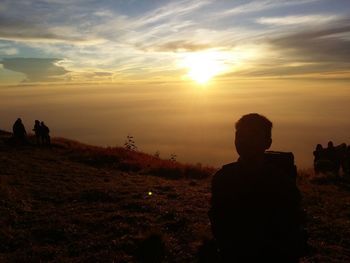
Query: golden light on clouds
202, 66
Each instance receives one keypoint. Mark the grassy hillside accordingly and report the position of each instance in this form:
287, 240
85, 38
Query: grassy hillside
78, 203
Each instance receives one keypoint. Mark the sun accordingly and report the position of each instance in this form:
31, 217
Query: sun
203, 66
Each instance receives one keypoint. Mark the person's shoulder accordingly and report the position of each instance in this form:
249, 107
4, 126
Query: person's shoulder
228, 168
225, 171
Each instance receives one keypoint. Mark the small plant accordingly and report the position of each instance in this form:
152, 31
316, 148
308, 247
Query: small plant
130, 143
156, 155
173, 157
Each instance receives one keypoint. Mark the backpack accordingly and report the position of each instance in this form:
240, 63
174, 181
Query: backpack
284, 161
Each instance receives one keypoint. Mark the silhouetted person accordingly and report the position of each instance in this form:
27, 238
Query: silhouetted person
45, 134
341, 154
37, 130
346, 165
318, 152
318, 155
255, 211
331, 155
19, 131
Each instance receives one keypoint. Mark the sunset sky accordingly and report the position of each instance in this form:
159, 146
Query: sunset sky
99, 70
86, 40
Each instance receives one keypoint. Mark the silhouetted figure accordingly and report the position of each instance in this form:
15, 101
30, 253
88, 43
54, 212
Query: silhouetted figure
330, 159
346, 162
37, 130
331, 155
318, 155
19, 131
45, 134
255, 212
318, 152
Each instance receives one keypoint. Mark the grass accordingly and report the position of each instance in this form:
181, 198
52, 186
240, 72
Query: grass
131, 161
80, 203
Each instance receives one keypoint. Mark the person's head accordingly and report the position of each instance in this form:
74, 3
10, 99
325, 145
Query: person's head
37, 122
253, 135
319, 147
330, 144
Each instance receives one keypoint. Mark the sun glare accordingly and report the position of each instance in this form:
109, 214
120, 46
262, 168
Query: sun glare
203, 66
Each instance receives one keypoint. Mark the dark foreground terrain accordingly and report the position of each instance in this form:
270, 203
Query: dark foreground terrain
78, 203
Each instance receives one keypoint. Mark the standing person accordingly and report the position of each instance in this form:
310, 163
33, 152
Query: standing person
255, 208
19, 131
346, 162
45, 136
37, 130
317, 157
331, 155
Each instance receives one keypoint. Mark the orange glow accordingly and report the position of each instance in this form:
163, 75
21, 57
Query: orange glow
203, 66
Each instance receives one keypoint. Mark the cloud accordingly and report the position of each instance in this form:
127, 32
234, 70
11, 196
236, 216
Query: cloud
313, 50
83, 24
8, 51
181, 46
292, 69
103, 74
169, 11
317, 44
15, 29
36, 69
261, 5
62, 2
105, 41
297, 20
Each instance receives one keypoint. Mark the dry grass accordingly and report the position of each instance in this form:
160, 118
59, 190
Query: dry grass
131, 161
77, 203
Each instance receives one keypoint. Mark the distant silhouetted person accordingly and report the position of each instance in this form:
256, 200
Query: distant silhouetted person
19, 131
346, 162
255, 212
344, 154
318, 152
330, 150
45, 134
318, 155
331, 155
37, 130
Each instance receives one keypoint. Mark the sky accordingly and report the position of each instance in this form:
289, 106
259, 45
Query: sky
178, 74
111, 41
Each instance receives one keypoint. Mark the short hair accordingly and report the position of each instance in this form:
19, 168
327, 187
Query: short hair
255, 121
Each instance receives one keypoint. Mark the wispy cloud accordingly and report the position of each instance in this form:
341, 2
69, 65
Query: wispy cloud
182, 46
314, 50
261, 5
169, 11
298, 19
321, 45
15, 29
